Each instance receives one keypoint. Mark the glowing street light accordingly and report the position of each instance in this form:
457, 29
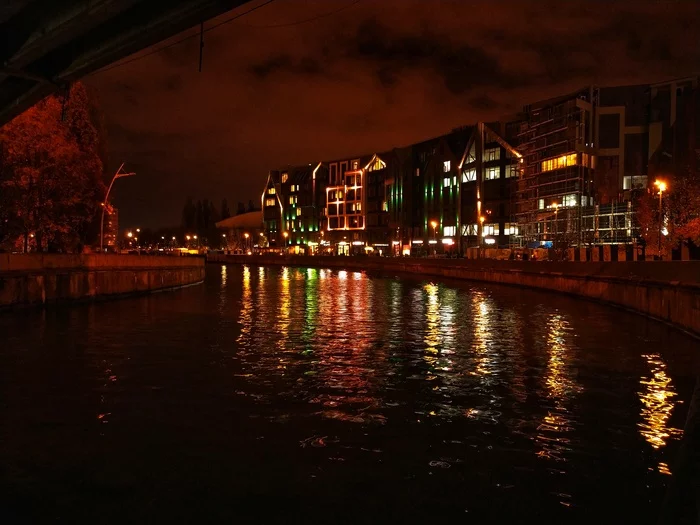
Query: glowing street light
187, 237
285, 235
662, 188
556, 224
434, 224
129, 235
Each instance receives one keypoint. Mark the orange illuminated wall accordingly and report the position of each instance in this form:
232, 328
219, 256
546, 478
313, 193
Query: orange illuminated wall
344, 203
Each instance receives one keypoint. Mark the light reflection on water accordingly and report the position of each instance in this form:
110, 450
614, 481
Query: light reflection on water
466, 398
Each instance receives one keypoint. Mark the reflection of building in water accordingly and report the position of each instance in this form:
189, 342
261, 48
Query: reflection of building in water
561, 387
246, 316
282, 326
657, 395
432, 319
487, 357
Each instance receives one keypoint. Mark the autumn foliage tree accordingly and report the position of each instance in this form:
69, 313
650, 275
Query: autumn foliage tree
680, 213
51, 175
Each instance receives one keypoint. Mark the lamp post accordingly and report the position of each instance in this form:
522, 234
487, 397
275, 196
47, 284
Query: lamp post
556, 224
118, 174
481, 240
246, 235
285, 235
662, 188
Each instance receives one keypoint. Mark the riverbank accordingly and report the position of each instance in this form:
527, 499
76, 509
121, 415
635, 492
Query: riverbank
38, 279
667, 291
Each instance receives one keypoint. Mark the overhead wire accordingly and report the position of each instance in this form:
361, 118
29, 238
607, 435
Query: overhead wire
219, 24
181, 40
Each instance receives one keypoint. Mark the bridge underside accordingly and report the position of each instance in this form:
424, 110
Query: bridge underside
46, 44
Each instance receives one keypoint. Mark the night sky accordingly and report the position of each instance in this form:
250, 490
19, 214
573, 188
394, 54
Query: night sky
276, 90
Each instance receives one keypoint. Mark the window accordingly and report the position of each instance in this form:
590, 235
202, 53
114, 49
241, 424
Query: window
292, 199
285, 176
334, 172
490, 229
559, 162
269, 202
298, 212
446, 166
469, 175
355, 164
569, 200
271, 191
492, 173
377, 164
540, 204
511, 171
510, 228
469, 229
492, 154
450, 231
417, 172
446, 182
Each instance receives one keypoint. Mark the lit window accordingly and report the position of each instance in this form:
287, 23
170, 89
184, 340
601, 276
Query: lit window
492, 173
469, 229
569, 200
469, 175
354, 164
540, 204
450, 231
377, 165
559, 162
510, 228
269, 202
446, 166
298, 212
271, 191
511, 171
490, 229
285, 176
292, 199
417, 172
446, 182
492, 154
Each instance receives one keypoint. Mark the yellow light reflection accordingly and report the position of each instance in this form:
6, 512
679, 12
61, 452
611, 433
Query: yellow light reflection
285, 303
246, 315
657, 395
561, 387
432, 319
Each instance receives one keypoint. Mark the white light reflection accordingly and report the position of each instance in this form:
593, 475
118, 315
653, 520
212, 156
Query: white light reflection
246, 315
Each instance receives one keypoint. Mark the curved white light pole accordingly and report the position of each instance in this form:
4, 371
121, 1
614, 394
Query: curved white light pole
118, 174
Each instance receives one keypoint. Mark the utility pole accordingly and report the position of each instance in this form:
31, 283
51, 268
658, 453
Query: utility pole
118, 174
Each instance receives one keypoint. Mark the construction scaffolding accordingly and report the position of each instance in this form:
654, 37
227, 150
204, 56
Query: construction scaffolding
556, 139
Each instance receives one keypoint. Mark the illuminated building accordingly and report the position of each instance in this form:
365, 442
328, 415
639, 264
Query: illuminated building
588, 154
564, 170
111, 228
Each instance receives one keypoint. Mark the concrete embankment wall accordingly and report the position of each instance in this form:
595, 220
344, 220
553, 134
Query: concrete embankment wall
49, 278
669, 291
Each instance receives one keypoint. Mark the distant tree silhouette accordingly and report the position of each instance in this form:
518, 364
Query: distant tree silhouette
225, 212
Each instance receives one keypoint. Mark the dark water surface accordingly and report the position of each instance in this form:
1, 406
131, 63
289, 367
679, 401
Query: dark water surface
291, 395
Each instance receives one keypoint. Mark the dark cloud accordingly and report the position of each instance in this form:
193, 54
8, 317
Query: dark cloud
461, 67
284, 63
483, 102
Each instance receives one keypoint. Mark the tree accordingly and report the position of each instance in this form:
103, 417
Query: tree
680, 212
189, 215
51, 174
225, 212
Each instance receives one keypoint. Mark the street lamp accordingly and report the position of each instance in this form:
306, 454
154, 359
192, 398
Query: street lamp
662, 188
285, 235
434, 224
118, 174
481, 239
129, 235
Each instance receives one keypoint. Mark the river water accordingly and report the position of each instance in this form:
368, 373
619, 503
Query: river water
295, 395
